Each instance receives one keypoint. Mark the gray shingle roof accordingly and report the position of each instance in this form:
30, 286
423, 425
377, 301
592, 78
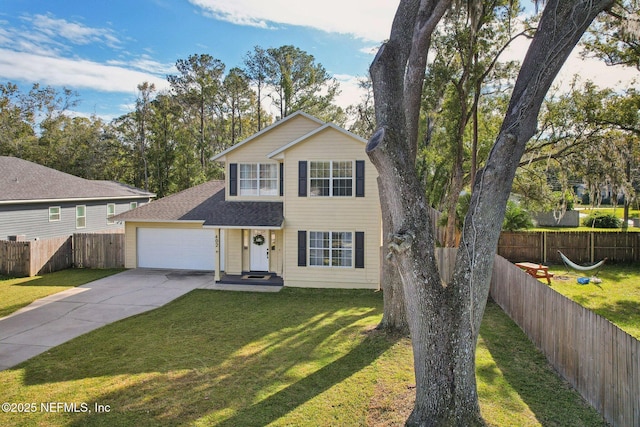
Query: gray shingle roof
21, 180
206, 202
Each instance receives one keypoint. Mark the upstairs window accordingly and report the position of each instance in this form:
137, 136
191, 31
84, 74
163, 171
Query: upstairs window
111, 211
331, 178
260, 179
54, 213
81, 216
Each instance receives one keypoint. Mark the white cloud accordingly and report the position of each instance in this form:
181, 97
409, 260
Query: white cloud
368, 20
71, 32
72, 73
370, 50
40, 52
350, 92
146, 64
587, 69
604, 76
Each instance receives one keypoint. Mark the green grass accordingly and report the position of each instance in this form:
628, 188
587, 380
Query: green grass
618, 212
18, 293
301, 357
585, 229
617, 298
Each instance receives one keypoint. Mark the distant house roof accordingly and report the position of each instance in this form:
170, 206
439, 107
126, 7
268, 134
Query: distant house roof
22, 181
206, 203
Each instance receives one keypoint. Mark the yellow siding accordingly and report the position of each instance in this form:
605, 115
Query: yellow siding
276, 253
256, 151
234, 252
131, 234
236, 257
331, 214
352, 214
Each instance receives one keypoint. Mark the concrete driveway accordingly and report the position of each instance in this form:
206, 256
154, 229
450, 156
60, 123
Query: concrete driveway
55, 319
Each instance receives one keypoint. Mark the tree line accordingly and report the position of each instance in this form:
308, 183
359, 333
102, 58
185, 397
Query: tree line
166, 143
587, 138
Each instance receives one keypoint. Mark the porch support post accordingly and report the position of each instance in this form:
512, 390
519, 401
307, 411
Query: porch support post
216, 275
268, 239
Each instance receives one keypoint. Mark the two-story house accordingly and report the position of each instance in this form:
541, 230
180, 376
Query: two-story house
299, 201
38, 202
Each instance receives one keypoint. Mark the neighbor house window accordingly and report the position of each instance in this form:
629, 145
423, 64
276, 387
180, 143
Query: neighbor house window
81, 216
133, 205
331, 178
330, 248
111, 211
54, 213
259, 179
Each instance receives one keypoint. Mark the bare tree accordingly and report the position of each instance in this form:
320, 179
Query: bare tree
444, 318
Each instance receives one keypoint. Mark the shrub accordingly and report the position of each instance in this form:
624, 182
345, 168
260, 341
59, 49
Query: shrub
516, 218
602, 220
461, 211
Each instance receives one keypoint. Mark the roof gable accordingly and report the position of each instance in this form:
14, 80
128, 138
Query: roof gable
22, 181
302, 139
269, 129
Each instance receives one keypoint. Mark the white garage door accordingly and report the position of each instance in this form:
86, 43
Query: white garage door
176, 248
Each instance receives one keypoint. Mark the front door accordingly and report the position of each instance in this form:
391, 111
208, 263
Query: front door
259, 250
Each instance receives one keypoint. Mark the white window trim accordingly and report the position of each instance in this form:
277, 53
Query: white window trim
331, 178
258, 179
84, 217
331, 249
133, 205
111, 214
59, 214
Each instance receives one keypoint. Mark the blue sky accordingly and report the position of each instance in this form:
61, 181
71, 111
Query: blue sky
104, 48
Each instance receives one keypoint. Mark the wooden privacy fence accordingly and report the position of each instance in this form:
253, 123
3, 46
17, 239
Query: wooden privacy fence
98, 250
30, 258
598, 359
579, 246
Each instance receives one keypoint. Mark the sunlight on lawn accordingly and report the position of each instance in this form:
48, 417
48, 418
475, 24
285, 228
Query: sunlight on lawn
617, 298
300, 357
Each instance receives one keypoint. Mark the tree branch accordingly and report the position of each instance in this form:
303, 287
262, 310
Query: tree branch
429, 14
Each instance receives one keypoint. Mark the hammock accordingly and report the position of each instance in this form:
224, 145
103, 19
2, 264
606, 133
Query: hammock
575, 266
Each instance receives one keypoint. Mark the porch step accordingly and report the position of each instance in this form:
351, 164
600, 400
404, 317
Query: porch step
252, 278
241, 287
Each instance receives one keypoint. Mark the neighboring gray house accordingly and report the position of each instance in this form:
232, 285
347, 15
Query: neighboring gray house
40, 202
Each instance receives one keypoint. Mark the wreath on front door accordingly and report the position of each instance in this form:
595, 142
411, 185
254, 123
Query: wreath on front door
258, 240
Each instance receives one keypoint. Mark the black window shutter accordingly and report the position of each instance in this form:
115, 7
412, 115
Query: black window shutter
302, 178
359, 249
302, 248
233, 179
282, 179
359, 178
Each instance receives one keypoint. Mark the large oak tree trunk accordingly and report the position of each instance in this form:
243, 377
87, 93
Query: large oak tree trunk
444, 318
394, 318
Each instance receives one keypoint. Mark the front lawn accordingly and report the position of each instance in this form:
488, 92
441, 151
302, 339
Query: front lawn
18, 293
300, 357
617, 298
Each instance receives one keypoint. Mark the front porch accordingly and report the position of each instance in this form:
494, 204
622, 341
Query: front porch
251, 278
249, 256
